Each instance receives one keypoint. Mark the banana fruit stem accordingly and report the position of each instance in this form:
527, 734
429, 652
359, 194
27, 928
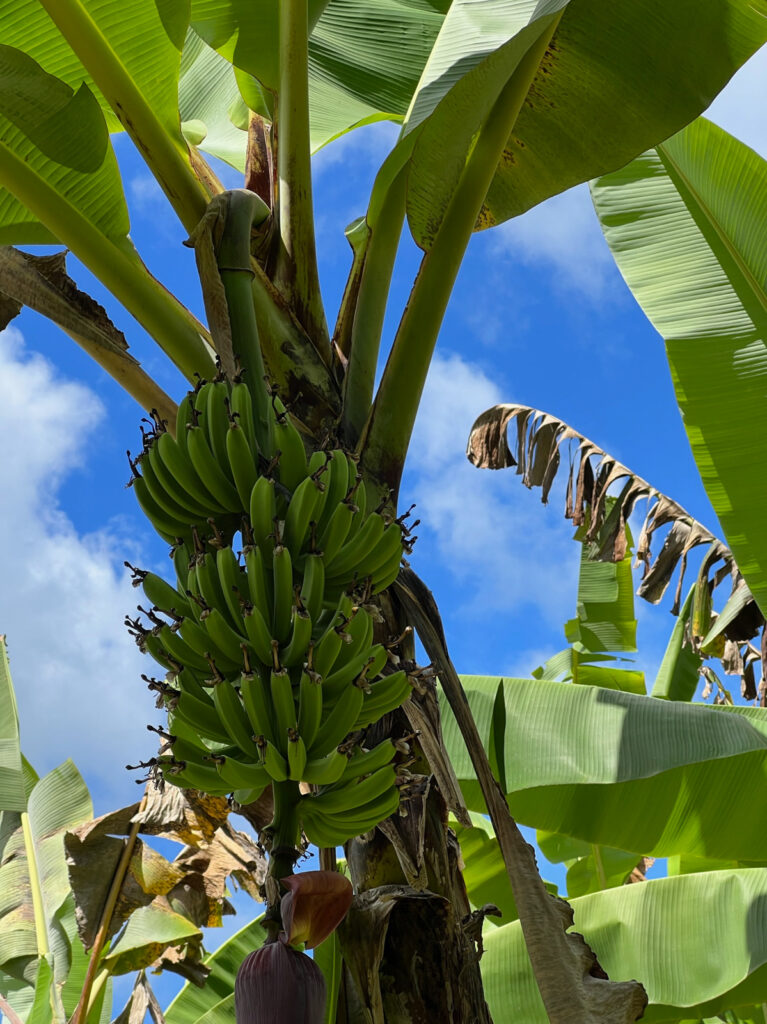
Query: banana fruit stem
284, 854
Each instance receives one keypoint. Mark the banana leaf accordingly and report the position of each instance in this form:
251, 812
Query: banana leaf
686, 223
698, 943
215, 1002
652, 777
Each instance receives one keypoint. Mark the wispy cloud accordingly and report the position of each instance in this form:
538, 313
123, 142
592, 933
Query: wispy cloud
561, 236
76, 671
500, 550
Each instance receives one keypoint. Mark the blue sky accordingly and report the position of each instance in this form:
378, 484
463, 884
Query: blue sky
539, 315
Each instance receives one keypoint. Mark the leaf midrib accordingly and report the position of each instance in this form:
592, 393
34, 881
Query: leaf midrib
675, 171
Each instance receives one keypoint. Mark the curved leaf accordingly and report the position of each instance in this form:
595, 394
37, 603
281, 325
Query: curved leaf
686, 224
705, 949
365, 59
214, 1001
12, 790
614, 769
679, 672
582, 112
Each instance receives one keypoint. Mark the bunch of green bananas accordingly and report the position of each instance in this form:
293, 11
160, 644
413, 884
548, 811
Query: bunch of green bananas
270, 657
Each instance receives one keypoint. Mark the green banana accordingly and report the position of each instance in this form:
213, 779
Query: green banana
258, 634
181, 562
161, 594
205, 647
274, 761
336, 684
345, 564
180, 650
323, 771
223, 637
295, 652
338, 723
313, 586
336, 480
288, 441
385, 695
184, 418
159, 495
349, 796
178, 465
209, 584
169, 529
173, 491
234, 585
296, 755
257, 703
234, 718
241, 775
208, 469
242, 412
240, 457
282, 570
263, 511
260, 582
201, 716
369, 760
384, 554
357, 820
283, 705
331, 538
216, 419
193, 776
309, 706
300, 513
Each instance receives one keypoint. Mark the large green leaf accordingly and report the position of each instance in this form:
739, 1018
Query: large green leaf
54, 143
214, 1001
678, 674
365, 59
145, 38
698, 943
633, 773
584, 110
686, 223
12, 790
36, 909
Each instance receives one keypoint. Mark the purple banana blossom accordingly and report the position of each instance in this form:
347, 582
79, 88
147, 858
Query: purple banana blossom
279, 985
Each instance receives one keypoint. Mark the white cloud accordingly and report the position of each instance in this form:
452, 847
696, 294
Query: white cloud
75, 669
563, 236
497, 542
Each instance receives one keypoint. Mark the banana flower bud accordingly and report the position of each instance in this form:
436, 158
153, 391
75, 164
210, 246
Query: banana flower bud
314, 906
279, 984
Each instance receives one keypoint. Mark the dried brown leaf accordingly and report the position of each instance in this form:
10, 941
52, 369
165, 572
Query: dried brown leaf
141, 1001
591, 475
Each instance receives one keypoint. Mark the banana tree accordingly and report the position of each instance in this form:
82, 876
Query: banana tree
501, 105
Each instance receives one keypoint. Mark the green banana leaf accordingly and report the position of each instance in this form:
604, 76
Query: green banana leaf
581, 111
698, 943
365, 59
13, 795
55, 154
54, 119
37, 918
590, 868
208, 98
652, 777
605, 622
215, 1002
679, 671
686, 223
